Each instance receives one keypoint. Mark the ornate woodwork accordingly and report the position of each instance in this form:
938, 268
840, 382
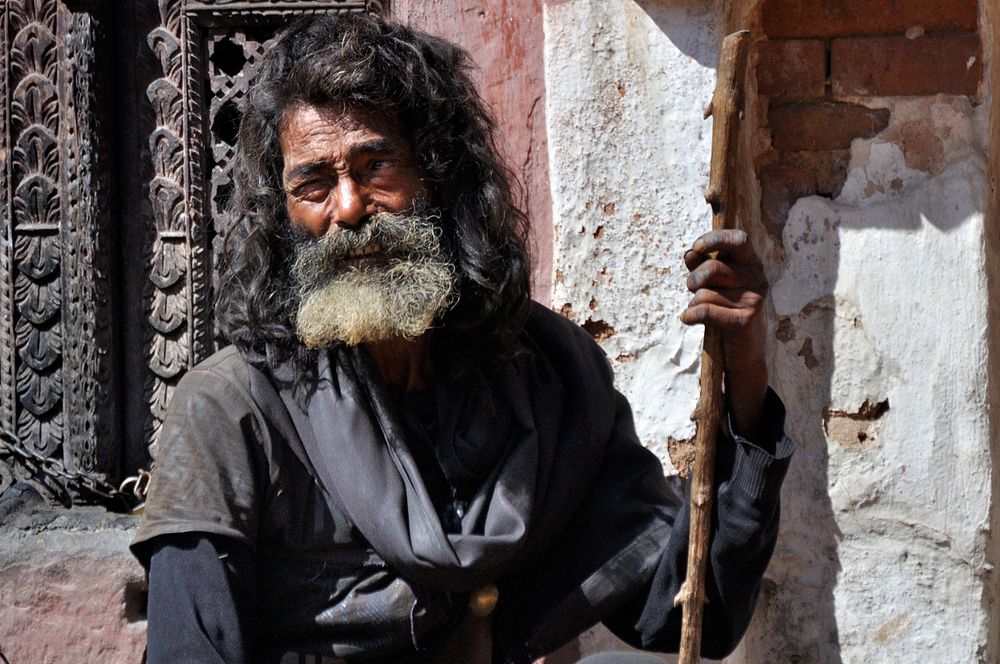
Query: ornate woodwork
36, 213
56, 362
207, 52
114, 181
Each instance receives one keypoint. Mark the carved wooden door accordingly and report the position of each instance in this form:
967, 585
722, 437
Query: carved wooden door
118, 126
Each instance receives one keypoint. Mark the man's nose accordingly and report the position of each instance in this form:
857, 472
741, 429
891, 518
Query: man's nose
350, 207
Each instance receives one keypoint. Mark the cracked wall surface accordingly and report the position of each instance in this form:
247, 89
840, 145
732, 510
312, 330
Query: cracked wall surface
886, 286
874, 192
627, 85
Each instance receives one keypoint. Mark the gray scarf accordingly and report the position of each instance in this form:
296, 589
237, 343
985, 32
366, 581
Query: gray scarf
496, 436
568, 514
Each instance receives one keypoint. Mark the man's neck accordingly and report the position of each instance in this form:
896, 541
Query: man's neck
403, 363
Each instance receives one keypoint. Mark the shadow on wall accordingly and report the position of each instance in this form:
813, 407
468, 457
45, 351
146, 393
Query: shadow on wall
795, 621
688, 26
868, 188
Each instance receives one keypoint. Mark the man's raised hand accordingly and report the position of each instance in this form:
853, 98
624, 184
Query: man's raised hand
729, 286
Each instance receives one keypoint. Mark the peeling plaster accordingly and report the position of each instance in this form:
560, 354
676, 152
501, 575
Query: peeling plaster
629, 157
858, 429
887, 284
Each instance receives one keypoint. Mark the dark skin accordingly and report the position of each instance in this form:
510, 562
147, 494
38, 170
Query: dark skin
342, 165
729, 286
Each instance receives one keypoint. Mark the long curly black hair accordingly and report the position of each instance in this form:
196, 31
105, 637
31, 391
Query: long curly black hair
377, 65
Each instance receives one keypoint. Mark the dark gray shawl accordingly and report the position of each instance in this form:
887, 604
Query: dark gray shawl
570, 514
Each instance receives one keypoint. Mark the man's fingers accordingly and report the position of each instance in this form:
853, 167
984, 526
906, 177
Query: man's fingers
725, 318
732, 242
718, 274
732, 298
728, 282
692, 259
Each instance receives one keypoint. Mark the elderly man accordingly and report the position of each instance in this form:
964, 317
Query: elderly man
401, 458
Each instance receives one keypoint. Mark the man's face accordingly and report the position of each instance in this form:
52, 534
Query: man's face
370, 267
342, 165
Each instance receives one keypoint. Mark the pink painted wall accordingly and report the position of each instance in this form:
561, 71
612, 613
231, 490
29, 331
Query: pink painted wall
506, 40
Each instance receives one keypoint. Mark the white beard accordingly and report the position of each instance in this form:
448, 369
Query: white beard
399, 298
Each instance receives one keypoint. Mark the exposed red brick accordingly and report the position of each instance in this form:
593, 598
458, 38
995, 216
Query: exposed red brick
798, 174
933, 64
828, 168
780, 187
846, 18
822, 125
791, 68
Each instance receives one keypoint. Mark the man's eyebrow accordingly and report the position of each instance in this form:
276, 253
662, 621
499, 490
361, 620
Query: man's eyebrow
305, 170
373, 146
376, 145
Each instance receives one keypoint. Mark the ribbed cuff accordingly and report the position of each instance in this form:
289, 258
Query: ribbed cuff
759, 466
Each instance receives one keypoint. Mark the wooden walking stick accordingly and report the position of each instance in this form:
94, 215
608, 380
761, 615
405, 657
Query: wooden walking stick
726, 110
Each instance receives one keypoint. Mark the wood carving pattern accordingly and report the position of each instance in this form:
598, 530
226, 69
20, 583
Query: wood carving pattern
233, 59
76, 284
6, 297
202, 319
88, 383
35, 202
7, 391
168, 291
242, 12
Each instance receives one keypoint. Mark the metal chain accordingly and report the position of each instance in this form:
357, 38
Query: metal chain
131, 491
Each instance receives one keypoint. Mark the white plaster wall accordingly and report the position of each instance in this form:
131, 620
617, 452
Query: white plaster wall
627, 84
879, 295
882, 296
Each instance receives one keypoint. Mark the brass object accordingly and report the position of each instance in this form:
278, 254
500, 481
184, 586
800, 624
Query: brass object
483, 602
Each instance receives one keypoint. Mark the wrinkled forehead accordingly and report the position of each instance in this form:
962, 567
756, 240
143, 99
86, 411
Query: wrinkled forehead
339, 117
337, 132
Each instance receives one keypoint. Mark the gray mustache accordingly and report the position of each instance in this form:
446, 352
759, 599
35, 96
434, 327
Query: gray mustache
404, 236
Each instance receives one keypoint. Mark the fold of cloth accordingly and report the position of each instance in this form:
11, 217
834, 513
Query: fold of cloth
526, 453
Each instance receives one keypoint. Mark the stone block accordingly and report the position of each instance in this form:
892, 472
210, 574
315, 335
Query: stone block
69, 589
928, 65
844, 18
791, 68
824, 125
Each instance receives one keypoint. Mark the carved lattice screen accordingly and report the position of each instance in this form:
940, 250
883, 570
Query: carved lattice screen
116, 152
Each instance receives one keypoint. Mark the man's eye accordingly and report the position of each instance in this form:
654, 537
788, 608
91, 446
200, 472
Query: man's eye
378, 166
314, 192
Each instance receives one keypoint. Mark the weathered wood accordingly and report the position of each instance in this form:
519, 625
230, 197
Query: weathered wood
114, 174
57, 360
90, 358
726, 110
35, 193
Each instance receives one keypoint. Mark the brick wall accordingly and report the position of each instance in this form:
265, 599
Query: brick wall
821, 67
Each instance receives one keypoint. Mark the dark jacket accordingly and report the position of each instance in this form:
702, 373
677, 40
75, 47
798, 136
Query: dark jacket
602, 535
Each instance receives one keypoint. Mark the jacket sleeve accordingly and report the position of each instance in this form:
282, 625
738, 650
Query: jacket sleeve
202, 595
744, 530
211, 470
